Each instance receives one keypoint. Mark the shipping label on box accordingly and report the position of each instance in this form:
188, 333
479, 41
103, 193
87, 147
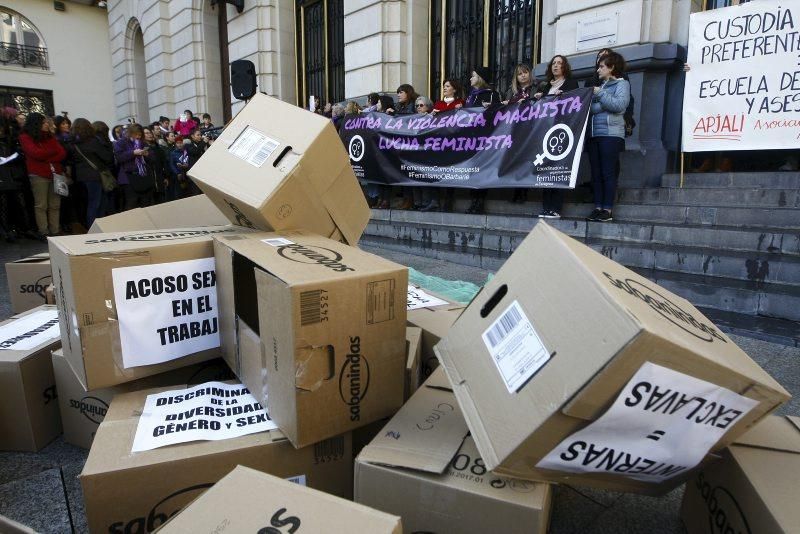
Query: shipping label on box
517, 338
28, 279
278, 167
136, 304
331, 323
247, 500
29, 417
139, 492
82, 411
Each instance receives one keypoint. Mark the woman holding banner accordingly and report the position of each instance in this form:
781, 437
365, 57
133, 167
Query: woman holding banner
558, 79
451, 97
522, 88
608, 133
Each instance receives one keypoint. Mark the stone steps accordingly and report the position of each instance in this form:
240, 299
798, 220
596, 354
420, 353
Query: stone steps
768, 180
720, 197
501, 233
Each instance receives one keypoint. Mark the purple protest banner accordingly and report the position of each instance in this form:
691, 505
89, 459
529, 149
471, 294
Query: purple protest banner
528, 144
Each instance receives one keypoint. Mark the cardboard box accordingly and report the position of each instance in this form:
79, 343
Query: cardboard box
753, 488
50, 295
188, 212
29, 417
279, 167
82, 411
246, 500
331, 320
95, 341
578, 370
413, 360
424, 468
138, 492
435, 322
28, 279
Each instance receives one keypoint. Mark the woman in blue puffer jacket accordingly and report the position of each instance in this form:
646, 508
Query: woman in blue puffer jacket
608, 133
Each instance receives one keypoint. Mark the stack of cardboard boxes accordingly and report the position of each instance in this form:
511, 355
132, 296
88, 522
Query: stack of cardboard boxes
565, 368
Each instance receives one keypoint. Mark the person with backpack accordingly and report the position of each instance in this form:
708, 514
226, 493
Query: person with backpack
90, 158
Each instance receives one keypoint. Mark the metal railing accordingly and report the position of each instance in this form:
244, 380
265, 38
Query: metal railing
25, 56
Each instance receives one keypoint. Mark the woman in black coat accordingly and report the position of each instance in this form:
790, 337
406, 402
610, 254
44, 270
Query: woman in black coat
89, 157
558, 79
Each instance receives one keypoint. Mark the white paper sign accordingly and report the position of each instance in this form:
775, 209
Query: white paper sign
662, 424
742, 91
30, 331
516, 349
210, 411
166, 310
417, 298
253, 147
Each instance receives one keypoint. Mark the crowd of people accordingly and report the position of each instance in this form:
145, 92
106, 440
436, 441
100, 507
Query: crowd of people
68, 173
611, 121
57, 175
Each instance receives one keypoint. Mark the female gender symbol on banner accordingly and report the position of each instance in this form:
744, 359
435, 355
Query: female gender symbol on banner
356, 148
556, 144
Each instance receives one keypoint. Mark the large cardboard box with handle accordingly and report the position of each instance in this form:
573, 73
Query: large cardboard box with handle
423, 467
331, 320
279, 167
135, 304
28, 279
138, 492
29, 417
572, 368
82, 411
753, 488
246, 500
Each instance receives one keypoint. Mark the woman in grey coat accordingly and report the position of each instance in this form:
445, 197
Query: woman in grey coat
607, 133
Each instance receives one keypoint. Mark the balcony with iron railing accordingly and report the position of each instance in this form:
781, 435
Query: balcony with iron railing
23, 56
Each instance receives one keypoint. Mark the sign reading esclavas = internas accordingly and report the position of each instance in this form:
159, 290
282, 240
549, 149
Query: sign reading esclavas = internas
742, 91
661, 425
527, 144
166, 310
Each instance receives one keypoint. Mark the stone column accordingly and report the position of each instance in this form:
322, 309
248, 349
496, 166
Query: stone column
386, 44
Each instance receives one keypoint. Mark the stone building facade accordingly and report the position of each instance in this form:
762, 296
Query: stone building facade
166, 56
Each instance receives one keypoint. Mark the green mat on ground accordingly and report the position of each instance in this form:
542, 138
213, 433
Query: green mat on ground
454, 290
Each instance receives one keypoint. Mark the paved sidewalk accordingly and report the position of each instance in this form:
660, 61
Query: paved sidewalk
42, 489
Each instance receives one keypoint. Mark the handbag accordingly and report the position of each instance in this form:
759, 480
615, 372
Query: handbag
107, 180
60, 183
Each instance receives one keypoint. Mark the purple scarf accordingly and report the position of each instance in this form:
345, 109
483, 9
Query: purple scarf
141, 164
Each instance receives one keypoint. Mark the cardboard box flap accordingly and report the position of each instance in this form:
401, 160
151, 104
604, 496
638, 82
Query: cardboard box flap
109, 243
424, 435
36, 258
299, 257
197, 210
778, 433
117, 431
438, 380
245, 499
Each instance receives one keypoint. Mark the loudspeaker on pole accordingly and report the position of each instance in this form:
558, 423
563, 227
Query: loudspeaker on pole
243, 79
